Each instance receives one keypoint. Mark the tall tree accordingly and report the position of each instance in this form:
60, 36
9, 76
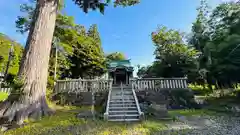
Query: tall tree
63, 48
199, 39
115, 56
217, 38
224, 45
173, 57
33, 70
5, 45
88, 58
70, 63
199, 35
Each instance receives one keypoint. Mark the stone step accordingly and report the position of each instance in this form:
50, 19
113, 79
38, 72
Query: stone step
121, 92
128, 116
123, 112
124, 99
121, 120
120, 97
122, 108
119, 89
127, 89
121, 105
122, 102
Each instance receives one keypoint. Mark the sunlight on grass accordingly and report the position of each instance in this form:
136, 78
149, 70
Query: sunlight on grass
201, 87
190, 112
61, 119
3, 96
65, 122
141, 128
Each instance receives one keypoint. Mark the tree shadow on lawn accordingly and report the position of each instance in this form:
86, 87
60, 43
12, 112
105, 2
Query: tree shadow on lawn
225, 104
65, 122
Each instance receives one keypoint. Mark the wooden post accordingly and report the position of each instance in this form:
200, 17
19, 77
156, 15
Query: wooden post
55, 65
93, 105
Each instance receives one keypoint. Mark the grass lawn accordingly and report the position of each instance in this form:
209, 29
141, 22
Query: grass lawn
191, 112
64, 122
3, 96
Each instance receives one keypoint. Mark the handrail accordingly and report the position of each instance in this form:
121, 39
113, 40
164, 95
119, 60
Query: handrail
161, 78
137, 103
82, 85
108, 102
158, 83
122, 98
84, 80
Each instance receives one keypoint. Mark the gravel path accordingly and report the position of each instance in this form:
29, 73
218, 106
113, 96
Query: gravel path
208, 125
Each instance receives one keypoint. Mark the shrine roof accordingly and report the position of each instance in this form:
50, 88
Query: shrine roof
119, 63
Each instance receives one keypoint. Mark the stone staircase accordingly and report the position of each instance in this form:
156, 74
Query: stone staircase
122, 105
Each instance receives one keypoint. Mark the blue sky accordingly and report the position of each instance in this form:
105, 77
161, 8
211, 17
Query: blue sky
125, 30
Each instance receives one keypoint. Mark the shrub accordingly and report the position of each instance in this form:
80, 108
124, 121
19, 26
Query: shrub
200, 90
182, 98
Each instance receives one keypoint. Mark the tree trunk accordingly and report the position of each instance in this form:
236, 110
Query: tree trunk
34, 67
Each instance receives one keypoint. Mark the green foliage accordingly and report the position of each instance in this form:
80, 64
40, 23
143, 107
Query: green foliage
218, 39
79, 51
115, 56
101, 4
10, 78
143, 71
199, 36
88, 58
192, 112
5, 45
1, 59
183, 97
17, 86
23, 22
211, 55
173, 57
201, 89
3, 96
65, 122
125, 3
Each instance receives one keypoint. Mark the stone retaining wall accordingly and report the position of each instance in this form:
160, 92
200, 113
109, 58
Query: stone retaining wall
158, 102
83, 98
172, 98
151, 102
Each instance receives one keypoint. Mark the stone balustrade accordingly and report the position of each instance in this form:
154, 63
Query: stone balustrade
88, 85
158, 83
82, 85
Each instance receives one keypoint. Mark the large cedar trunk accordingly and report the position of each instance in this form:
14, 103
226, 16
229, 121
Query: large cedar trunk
34, 67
